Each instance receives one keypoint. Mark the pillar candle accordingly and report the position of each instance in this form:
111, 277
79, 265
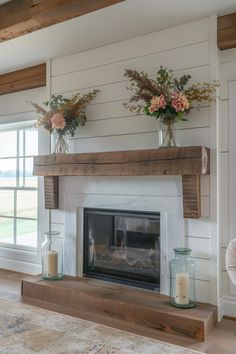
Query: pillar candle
182, 289
52, 264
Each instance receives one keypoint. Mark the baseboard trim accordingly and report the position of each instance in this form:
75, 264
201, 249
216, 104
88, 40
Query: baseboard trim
19, 266
227, 307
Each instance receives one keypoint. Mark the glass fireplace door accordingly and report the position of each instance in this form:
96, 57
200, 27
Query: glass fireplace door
122, 247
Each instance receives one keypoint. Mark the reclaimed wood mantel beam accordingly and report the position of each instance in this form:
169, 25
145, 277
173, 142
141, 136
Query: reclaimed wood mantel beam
189, 162
226, 31
19, 17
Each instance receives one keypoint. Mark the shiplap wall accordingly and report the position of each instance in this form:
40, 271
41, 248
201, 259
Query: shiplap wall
227, 186
16, 107
185, 49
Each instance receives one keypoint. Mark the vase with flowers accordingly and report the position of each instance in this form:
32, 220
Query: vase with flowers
166, 98
62, 116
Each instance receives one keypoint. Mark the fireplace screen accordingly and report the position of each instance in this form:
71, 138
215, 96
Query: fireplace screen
122, 247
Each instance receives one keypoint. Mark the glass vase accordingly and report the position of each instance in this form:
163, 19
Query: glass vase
52, 256
61, 145
182, 279
167, 134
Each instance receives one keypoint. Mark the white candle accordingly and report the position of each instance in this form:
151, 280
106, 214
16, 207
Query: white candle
182, 288
52, 264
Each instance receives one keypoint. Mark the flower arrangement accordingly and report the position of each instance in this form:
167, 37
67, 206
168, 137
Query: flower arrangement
63, 115
166, 97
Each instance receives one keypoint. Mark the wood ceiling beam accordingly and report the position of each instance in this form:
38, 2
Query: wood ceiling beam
19, 17
226, 31
24, 79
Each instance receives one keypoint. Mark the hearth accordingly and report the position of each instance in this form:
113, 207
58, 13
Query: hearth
122, 246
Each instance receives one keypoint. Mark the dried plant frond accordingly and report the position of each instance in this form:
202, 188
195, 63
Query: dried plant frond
166, 96
71, 112
202, 92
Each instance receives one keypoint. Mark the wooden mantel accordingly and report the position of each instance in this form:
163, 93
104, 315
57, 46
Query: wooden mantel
190, 162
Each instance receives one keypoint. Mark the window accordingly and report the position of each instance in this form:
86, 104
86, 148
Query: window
18, 188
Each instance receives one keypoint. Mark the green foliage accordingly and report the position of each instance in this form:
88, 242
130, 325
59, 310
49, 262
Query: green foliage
175, 94
72, 111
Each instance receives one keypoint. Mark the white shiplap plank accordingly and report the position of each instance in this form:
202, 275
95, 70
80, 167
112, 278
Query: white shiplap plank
58, 227
58, 216
138, 125
228, 55
228, 73
224, 126
205, 185
224, 289
222, 255
203, 291
193, 137
19, 102
119, 126
197, 228
205, 207
232, 288
224, 198
200, 247
178, 36
115, 143
143, 140
198, 117
187, 57
107, 110
232, 160
118, 91
202, 269
17, 117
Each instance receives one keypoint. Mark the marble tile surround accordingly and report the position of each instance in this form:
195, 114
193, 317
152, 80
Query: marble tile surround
25, 330
113, 193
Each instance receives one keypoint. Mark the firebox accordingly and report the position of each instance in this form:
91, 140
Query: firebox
122, 246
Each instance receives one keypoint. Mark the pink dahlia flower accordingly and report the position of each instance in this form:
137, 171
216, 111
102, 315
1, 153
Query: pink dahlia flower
157, 102
179, 102
58, 121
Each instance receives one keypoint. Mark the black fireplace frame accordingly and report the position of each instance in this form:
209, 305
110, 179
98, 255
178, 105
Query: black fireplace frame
111, 278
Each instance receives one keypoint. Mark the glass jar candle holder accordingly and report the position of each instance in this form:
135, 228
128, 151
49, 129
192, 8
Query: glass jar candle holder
52, 256
182, 279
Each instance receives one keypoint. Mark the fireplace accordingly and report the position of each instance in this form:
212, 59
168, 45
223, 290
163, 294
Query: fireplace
122, 246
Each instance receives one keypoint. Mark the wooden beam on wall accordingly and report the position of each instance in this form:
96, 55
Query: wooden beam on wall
226, 31
51, 192
19, 17
191, 196
24, 79
191, 162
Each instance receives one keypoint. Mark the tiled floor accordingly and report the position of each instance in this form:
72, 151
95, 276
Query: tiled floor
221, 340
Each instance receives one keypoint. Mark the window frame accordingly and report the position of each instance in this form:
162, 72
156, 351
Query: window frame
21, 253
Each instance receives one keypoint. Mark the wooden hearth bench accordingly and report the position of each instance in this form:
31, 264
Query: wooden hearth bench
190, 162
135, 310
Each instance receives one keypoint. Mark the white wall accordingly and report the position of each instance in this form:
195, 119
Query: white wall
186, 49
227, 175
